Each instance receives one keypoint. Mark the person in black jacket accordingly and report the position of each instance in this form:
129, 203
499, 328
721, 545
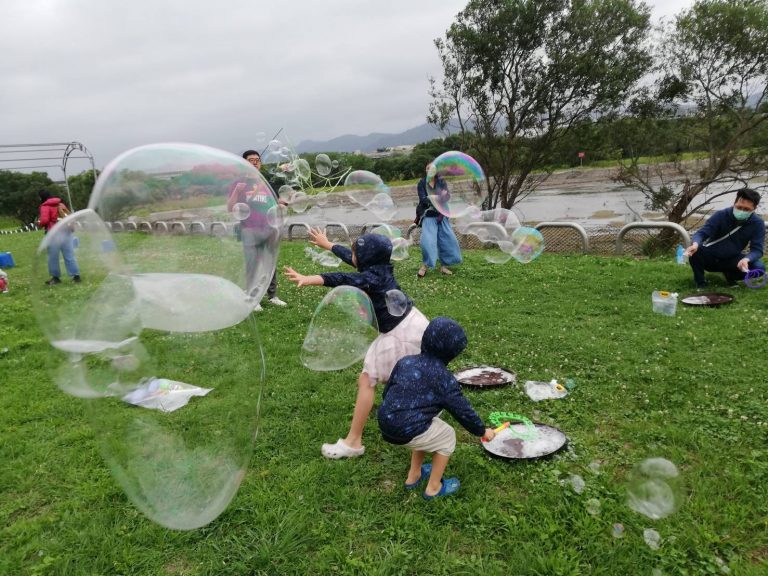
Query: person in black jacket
719, 245
418, 389
438, 242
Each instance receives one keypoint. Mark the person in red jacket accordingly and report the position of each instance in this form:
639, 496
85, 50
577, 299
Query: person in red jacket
49, 216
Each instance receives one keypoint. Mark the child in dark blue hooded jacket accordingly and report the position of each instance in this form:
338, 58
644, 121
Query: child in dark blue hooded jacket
399, 335
418, 389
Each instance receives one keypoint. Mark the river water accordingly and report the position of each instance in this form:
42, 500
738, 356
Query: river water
589, 204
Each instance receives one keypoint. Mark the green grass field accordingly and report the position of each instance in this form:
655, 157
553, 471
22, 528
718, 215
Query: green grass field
689, 388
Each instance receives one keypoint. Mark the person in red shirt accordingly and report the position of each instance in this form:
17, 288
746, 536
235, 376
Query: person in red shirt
61, 244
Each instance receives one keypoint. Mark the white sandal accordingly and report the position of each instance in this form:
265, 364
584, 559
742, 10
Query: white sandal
341, 450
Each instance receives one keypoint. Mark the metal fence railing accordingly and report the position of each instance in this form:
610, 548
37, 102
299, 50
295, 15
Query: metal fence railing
559, 237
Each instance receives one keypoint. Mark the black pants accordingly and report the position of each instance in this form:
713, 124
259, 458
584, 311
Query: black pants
703, 260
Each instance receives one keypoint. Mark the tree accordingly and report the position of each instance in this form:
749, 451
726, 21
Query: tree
18, 194
712, 58
519, 74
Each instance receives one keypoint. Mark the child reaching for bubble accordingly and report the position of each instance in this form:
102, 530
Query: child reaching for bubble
399, 335
419, 388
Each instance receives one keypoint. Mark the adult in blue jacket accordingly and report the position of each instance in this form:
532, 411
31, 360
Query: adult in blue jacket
720, 244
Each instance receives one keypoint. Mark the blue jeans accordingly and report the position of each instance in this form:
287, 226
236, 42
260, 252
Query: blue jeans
62, 244
438, 242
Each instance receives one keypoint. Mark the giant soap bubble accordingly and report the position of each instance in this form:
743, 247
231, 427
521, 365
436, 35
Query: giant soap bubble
159, 334
342, 328
455, 184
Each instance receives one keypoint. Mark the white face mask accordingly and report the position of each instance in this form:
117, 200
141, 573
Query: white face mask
741, 214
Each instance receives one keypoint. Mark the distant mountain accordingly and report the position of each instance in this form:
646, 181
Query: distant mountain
352, 143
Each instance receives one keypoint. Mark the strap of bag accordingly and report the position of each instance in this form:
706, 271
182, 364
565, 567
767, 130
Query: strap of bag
713, 242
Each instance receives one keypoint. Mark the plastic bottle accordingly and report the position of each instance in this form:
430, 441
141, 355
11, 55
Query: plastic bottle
680, 254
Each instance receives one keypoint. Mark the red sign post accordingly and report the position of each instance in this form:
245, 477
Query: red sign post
581, 158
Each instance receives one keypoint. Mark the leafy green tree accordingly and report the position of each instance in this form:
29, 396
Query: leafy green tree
18, 194
712, 59
518, 75
80, 188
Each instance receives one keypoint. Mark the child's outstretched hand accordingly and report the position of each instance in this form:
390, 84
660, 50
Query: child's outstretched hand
489, 435
319, 239
302, 280
295, 277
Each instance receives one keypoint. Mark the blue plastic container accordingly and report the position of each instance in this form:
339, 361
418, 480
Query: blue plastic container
6, 260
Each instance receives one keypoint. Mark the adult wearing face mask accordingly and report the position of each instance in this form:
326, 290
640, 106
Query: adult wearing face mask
719, 245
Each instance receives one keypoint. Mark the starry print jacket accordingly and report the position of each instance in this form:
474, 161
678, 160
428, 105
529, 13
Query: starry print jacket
421, 386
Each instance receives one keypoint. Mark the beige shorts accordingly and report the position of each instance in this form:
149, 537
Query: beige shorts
439, 437
388, 348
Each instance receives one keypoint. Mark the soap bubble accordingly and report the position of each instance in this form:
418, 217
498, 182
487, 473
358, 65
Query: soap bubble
400, 245
322, 257
342, 328
368, 190
182, 469
652, 538
178, 183
397, 302
654, 488
455, 184
241, 211
158, 318
298, 201
593, 506
303, 170
321, 198
525, 244
335, 164
617, 530
323, 164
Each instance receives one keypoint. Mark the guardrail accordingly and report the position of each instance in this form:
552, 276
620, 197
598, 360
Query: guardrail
578, 227
669, 225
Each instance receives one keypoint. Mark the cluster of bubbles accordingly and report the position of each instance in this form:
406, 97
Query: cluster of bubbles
505, 237
306, 186
162, 315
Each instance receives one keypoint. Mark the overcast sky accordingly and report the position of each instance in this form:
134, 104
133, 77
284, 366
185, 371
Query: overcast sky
227, 73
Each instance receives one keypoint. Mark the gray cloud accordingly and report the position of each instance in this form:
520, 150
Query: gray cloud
114, 75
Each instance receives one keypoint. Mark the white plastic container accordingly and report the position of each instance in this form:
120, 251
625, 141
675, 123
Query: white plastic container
664, 302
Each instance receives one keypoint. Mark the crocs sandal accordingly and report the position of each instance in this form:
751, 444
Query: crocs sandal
450, 486
426, 470
445, 271
422, 272
340, 450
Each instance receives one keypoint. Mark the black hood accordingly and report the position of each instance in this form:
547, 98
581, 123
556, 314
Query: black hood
444, 338
372, 250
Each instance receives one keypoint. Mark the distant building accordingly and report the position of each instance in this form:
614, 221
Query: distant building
402, 150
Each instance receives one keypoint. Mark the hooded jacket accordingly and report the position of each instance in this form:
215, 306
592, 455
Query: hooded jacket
375, 276
49, 213
751, 231
421, 386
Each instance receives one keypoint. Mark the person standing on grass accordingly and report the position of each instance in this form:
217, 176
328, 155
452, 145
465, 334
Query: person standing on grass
419, 388
52, 209
251, 229
398, 337
719, 245
438, 242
